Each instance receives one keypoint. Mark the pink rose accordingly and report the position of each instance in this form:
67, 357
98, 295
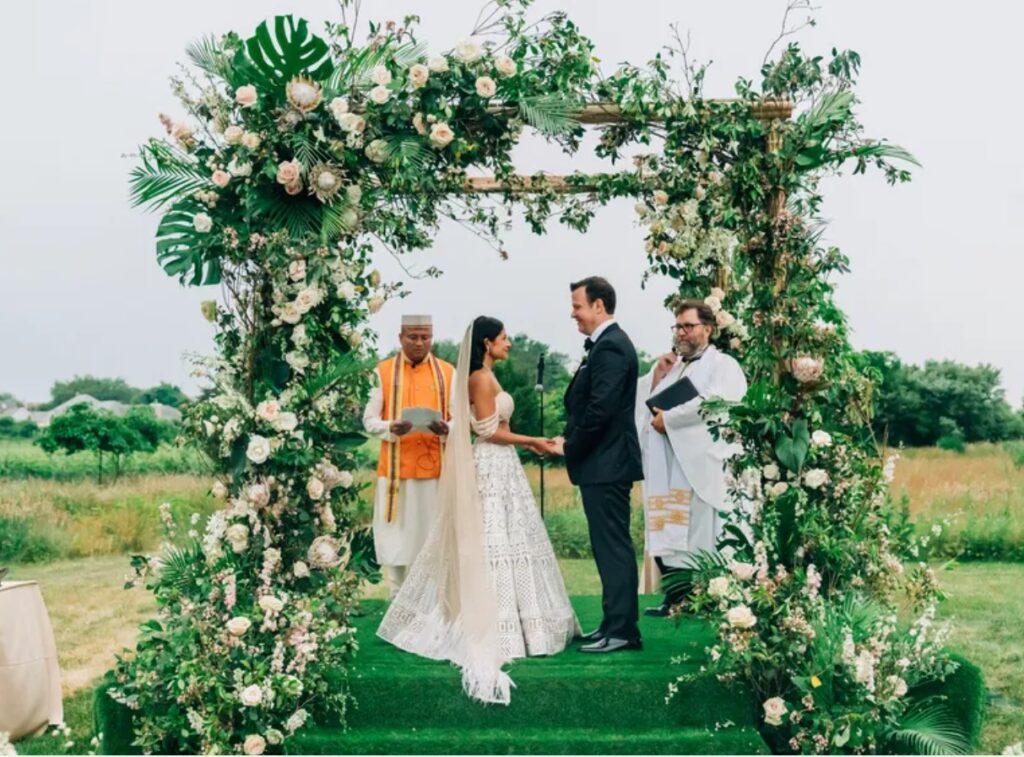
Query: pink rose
288, 172
221, 178
246, 96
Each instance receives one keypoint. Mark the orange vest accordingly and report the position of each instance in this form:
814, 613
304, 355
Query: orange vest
416, 455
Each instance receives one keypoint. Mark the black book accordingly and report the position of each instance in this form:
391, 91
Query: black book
681, 392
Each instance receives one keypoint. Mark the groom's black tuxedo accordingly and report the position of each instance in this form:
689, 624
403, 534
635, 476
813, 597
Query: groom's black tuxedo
602, 455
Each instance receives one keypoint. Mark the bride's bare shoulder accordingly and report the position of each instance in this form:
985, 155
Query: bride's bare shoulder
483, 383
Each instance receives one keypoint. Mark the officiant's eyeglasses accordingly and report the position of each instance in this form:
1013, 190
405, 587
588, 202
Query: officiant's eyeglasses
686, 328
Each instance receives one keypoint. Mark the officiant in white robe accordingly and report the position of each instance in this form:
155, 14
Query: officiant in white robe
684, 466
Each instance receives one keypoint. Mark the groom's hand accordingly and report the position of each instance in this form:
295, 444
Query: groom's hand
557, 446
658, 424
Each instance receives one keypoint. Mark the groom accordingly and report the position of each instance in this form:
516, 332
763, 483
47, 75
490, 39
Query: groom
602, 455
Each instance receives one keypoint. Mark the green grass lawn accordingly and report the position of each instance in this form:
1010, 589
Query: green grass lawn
984, 600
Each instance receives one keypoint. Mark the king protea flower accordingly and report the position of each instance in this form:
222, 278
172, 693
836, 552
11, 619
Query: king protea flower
303, 93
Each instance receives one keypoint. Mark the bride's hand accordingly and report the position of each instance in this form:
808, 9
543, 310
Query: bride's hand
540, 446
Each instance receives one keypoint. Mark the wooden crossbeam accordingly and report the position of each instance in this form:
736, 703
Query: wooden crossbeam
610, 113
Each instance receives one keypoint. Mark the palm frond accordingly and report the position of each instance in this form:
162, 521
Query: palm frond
353, 71
180, 566
345, 366
549, 114
409, 150
929, 729
207, 55
307, 151
165, 175
298, 215
336, 220
886, 150
832, 108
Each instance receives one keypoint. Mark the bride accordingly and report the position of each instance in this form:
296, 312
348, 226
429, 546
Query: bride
485, 588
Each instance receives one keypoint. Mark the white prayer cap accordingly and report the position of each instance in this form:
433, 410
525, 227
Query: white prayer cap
417, 320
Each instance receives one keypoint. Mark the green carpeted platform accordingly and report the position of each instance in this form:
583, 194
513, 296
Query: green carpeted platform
571, 703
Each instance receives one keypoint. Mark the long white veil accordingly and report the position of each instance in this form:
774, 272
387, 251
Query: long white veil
447, 609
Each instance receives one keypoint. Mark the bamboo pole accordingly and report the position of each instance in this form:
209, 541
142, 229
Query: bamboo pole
610, 113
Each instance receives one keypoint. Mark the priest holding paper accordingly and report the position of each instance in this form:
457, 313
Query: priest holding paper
408, 411
684, 466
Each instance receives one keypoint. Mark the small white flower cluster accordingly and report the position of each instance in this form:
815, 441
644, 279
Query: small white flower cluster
678, 230
725, 320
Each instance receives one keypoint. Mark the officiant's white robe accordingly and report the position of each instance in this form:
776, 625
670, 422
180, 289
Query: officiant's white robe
397, 543
684, 470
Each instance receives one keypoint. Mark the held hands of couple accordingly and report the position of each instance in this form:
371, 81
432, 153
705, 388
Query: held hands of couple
546, 447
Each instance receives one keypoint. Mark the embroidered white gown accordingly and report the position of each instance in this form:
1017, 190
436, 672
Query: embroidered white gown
534, 616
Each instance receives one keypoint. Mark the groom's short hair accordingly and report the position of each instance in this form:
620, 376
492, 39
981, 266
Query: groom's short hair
597, 288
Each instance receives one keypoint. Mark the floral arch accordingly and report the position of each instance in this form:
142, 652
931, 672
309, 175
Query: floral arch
301, 152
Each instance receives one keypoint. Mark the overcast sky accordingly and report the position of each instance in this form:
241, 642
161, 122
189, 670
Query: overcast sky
937, 268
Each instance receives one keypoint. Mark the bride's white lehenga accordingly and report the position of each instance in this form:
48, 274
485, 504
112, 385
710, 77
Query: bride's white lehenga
525, 612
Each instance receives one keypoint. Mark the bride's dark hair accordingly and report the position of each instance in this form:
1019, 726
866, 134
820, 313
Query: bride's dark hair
484, 327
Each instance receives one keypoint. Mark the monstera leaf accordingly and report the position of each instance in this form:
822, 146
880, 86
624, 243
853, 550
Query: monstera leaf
281, 50
791, 451
181, 250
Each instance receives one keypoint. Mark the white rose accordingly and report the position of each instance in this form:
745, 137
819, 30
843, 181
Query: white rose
315, 488
718, 293
251, 696
485, 86
714, 303
308, 298
352, 122
821, 438
418, 75
250, 140
258, 450
438, 64
743, 570
270, 603
297, 270
258, 494
718, 587
290, 313
254, 744
380, 95
741, 617
233, 134
286, 422
816, 478
238, 535
238, 626
419, 124
338, 107
298, 361
770, 472
441, 134
898, 685
660, 197
778, 489
300, 569
505, 65
202, 223
377, 151
346, 290
724, 319
219, 490
268, 410
381, 76
274, 736
467, 51
240, 170
774, 709
375, 304
345, 479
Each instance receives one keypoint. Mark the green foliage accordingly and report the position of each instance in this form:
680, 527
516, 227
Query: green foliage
12, 429
102, 389
178, 247
275, 55
916, 405
929, 729
21, 542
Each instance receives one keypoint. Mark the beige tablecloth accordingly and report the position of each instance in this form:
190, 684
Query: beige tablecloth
29, 675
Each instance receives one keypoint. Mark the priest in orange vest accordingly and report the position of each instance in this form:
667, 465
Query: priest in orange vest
410, 459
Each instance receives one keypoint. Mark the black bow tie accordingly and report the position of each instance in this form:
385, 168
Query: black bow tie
588, 345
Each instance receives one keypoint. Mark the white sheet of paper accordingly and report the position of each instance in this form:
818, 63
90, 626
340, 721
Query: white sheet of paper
420, 417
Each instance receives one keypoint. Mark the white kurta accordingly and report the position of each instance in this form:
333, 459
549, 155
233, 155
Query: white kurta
683, 485
397, 543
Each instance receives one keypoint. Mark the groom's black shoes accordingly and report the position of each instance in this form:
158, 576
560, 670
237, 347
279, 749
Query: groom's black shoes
596, 635
609, 644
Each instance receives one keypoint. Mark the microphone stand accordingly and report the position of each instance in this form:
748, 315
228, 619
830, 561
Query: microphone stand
540, 398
